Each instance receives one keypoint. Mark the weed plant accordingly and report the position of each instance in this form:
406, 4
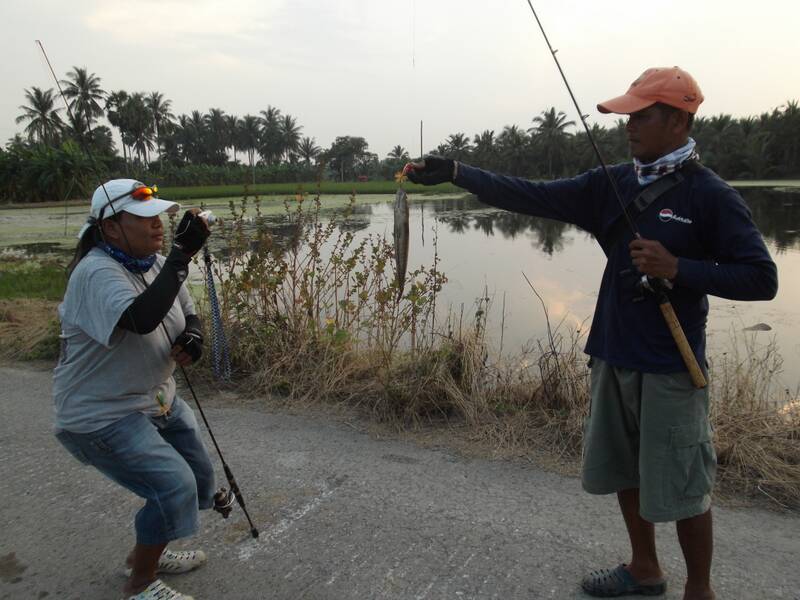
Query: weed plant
756, 422
315, 312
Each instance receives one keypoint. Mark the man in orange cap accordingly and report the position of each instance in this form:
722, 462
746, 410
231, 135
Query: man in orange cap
648, 437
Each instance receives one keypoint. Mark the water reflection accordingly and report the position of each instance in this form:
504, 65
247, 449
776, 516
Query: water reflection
483, 248
775, 212
468, 213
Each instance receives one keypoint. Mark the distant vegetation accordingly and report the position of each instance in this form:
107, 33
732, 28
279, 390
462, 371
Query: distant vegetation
47, 160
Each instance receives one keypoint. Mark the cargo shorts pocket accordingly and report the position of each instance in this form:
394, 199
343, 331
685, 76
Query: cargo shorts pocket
691, 464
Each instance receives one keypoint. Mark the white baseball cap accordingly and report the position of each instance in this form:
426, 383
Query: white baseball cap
126, 195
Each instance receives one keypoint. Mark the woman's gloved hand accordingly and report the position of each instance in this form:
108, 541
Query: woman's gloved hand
188, 347
191, 233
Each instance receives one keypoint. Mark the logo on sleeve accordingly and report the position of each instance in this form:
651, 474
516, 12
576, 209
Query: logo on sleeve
666, 215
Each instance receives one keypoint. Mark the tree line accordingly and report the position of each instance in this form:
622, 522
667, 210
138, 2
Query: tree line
48, 159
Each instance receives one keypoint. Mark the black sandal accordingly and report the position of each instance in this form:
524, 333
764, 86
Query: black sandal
609, 583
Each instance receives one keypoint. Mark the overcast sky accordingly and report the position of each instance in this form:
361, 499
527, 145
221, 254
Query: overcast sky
375, 68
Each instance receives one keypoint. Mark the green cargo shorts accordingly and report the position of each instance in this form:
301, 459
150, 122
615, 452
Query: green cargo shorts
649, 431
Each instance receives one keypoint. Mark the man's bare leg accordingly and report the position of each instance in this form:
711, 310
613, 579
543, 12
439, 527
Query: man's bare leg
697, 542
644, 565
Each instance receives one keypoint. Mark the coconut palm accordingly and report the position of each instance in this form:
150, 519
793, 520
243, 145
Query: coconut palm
250, 137
550, 135
44, 124
139, 126
194, 136
458, 146
290, 135
398, 153
85, 94
271, 143
308, 150
484, 150
159, 109
217, 135
114, 103
514, 145
232, 123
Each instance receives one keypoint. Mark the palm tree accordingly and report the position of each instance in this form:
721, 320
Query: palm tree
514, 144
114, 103
398, 153
44, 124
139, 124
271, 144
232, 123
249, 139
290, 135
84, 91
549, 132
159, 108
458, 146
484, 151
194, 138
217, 138
308, 150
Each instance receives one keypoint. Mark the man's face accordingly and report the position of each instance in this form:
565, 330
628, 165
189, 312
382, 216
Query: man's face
652, 133
142, 236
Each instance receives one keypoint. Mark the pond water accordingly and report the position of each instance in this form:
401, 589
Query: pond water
486, 251
483, 249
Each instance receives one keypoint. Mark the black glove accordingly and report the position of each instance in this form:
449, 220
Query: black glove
191, 340
436, 170
191, 234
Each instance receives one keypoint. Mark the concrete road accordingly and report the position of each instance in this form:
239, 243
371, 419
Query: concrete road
343, 516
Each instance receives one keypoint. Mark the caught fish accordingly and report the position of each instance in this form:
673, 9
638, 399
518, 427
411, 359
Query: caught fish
758, 327
401, 238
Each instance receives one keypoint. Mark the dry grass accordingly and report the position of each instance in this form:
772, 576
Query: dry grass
757, 424
28, 329
317, 318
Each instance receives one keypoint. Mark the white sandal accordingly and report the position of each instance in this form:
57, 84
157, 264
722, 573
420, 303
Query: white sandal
181, 561
175, 562
158, 591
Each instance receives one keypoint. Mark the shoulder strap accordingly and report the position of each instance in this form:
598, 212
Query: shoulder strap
645, 198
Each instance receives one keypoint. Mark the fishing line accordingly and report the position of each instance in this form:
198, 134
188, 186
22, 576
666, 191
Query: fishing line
582, 116
234, 487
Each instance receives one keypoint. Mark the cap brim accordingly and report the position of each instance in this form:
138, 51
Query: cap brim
151, 207
624, 105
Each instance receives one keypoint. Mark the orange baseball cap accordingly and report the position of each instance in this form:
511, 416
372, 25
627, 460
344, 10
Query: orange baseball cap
669, 85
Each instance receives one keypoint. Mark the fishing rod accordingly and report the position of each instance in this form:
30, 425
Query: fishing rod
657, 286
223, 501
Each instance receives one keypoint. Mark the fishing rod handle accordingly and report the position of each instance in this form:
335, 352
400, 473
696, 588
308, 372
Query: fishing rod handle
689, 359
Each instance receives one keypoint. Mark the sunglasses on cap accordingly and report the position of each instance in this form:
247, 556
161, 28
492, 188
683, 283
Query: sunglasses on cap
139, 192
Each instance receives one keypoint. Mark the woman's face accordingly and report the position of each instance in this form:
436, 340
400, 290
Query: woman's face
136, 236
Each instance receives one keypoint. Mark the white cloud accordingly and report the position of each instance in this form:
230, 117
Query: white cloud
168, 22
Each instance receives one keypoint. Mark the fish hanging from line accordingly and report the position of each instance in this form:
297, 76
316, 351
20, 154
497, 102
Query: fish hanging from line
758, 327
401, 239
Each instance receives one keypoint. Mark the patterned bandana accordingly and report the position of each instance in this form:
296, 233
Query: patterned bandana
648, 173
134, 265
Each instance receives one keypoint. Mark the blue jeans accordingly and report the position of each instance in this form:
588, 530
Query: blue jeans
161, 459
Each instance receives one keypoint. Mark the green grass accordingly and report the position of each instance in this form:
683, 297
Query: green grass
765, 183
289, 189
31, 279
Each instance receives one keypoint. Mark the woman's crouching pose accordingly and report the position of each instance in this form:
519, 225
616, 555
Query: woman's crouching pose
116, 406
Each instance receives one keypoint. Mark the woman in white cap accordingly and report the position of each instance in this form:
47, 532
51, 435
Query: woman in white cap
116, 406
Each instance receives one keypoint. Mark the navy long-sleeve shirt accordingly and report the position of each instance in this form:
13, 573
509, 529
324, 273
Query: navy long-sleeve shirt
702, 221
